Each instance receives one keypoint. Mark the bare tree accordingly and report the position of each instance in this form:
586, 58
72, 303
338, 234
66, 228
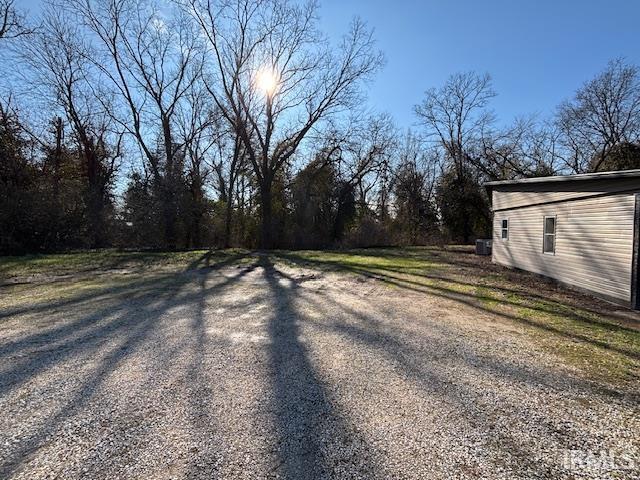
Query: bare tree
360, 151
414, 188
215, 156
412, 152
525, 149
57, 55
150, 57
539, 147
604, 113
366, 156
456, 116
199, 131
12, 23
274, 78
230, 165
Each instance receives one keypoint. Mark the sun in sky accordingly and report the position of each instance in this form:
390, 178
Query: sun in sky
267, 80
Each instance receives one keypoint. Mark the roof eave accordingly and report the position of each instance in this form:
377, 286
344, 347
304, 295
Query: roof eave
567, 178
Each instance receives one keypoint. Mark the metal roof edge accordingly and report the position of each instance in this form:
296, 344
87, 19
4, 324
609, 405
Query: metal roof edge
569, 178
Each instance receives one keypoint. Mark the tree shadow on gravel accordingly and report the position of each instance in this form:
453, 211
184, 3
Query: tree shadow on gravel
306, 419
478, 272
112, 335
447, 288
478, 409
41, 350
205, 453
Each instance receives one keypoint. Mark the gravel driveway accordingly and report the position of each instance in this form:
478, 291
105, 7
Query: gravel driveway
274, 371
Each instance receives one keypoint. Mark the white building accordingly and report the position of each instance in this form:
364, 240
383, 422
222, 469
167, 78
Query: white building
581, 230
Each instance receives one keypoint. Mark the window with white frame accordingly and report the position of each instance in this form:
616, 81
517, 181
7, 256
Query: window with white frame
505, 229
549, 240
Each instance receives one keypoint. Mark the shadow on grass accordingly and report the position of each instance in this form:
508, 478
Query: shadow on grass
207, 261
389, 275
69, 264
425, 258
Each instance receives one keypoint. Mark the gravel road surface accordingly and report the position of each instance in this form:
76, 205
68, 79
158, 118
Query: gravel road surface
274, 371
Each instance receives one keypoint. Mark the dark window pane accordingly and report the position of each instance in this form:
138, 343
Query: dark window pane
505, 233
549, 241
505, 223
550, 225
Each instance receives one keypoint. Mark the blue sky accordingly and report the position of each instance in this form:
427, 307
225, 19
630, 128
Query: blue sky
537, 51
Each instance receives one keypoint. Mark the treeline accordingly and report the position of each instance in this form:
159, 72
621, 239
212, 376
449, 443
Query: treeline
199, 123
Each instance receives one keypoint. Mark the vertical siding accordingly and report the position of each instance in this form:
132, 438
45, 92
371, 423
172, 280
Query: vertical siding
594, 243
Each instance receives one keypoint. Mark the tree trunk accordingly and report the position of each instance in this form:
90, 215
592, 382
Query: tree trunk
96, 195
266, 241
338, 222
169, 214
196, 237
466, 224
169, 191
57, 159
241, 211
97, 218
197, 208
227, 223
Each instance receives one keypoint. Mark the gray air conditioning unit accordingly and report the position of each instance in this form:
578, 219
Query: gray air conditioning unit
483, 247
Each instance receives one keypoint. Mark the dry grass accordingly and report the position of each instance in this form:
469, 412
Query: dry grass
590, 335
596, 337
